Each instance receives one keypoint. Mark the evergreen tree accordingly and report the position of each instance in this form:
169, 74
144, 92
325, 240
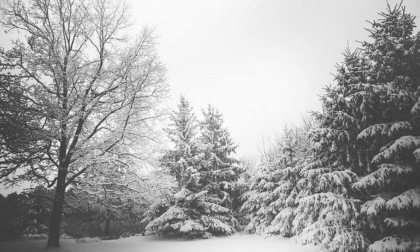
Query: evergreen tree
270, 202
205, 173
369, 127
183, 135
20, 128
391, 190
218, 170
328, 212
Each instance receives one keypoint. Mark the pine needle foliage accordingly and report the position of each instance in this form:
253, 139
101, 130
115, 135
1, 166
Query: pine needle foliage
357, 189
206, 174
270, 202
391, 190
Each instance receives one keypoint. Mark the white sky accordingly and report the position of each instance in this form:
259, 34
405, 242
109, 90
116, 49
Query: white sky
261, 63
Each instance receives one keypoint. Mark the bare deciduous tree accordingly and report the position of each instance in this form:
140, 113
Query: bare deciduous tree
89, 88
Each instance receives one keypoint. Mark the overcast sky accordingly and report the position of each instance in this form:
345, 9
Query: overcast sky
261, 63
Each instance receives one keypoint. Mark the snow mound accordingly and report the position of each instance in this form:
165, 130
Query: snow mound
88, 239
34, 236
65, 236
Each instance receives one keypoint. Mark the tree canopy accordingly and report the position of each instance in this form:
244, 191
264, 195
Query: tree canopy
88, 92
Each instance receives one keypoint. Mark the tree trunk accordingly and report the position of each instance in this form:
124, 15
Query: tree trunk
107, 222
54, 232
107, 225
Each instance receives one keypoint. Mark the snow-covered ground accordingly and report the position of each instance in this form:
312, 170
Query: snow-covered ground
235, 243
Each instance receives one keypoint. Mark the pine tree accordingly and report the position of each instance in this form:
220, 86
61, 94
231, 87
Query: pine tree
391, 190
367, 129
20, 127
321, 205
361, 181
327, 212
219, 171
205, 173
183, 135
270, 202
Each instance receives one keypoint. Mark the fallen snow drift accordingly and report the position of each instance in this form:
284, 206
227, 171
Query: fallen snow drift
234, 243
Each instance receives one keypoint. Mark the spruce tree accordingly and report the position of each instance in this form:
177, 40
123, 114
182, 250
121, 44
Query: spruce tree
183, 135
327, 211
368, 128
360, 191
219, 170
205, 173
391, 190
270, 202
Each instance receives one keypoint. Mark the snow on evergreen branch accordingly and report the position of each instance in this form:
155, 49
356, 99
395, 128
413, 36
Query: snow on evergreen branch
283, 187
324, 209
416, 154
282, 223
403, 222
400, 128
349, 242
342, 118
312, 165
314, 173
182, 194
376, 130
415, 110
396, 244
383, 177
373, 207
174, 214
251, 201
332, 236
336, 181
406, 200
196, 196
216, 225
212, 208
153, 210
191, 226
403, 144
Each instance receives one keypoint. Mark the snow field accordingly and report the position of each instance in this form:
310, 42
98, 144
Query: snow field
234, 243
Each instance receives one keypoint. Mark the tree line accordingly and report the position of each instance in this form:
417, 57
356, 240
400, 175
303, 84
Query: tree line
355, 187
